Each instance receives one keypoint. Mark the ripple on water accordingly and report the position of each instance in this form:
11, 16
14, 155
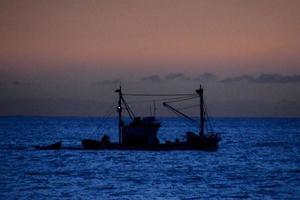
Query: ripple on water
254, 162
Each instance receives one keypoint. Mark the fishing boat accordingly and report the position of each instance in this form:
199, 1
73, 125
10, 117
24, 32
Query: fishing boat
141, 133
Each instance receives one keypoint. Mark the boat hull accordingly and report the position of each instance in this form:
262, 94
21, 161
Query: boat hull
55, 146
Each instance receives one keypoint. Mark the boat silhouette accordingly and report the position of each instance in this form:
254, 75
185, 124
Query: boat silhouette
54, 146
141, 133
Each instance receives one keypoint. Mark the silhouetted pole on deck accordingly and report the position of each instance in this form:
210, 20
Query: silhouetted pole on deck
119, 109
200, 92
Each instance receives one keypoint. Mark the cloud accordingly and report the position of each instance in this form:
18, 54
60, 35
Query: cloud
277, 78
264, 78
238, 78
108, 82
207, 76
176, 76
180, 77
20, 83
153, 78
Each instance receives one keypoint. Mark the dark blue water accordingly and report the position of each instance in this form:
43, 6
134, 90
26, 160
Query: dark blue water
257, 159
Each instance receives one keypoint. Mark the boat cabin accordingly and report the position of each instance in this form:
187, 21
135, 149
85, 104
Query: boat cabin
141, 131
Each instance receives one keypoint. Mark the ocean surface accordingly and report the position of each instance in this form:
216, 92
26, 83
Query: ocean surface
258, 158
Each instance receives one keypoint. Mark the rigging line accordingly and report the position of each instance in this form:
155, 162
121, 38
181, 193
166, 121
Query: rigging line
188, 107
159, 100
107, 114
129, 110
208, 118
189, 123
174, 98
195, 125
179, 100
112, 104
110, 114
156, 95
131, 114
185, 120
180, 113
110, 109
105, 119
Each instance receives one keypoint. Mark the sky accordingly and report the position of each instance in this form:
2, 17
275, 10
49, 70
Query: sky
63, 58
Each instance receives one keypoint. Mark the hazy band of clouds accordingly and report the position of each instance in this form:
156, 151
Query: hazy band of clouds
21, 83
152, 78
108, 82
16, 83
207, 76
264, 78
210, 77
176, 76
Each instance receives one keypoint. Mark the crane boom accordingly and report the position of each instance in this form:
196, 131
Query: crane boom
178, 112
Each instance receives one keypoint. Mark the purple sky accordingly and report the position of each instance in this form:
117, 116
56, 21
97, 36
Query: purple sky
66, 57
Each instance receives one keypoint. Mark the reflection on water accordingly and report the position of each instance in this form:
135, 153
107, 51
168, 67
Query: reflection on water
258, 158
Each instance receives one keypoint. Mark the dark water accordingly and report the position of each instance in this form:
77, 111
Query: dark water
257, 159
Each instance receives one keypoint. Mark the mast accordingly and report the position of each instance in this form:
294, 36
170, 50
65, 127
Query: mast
202, 120
119, 110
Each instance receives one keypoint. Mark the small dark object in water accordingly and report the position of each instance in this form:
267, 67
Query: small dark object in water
54, 146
